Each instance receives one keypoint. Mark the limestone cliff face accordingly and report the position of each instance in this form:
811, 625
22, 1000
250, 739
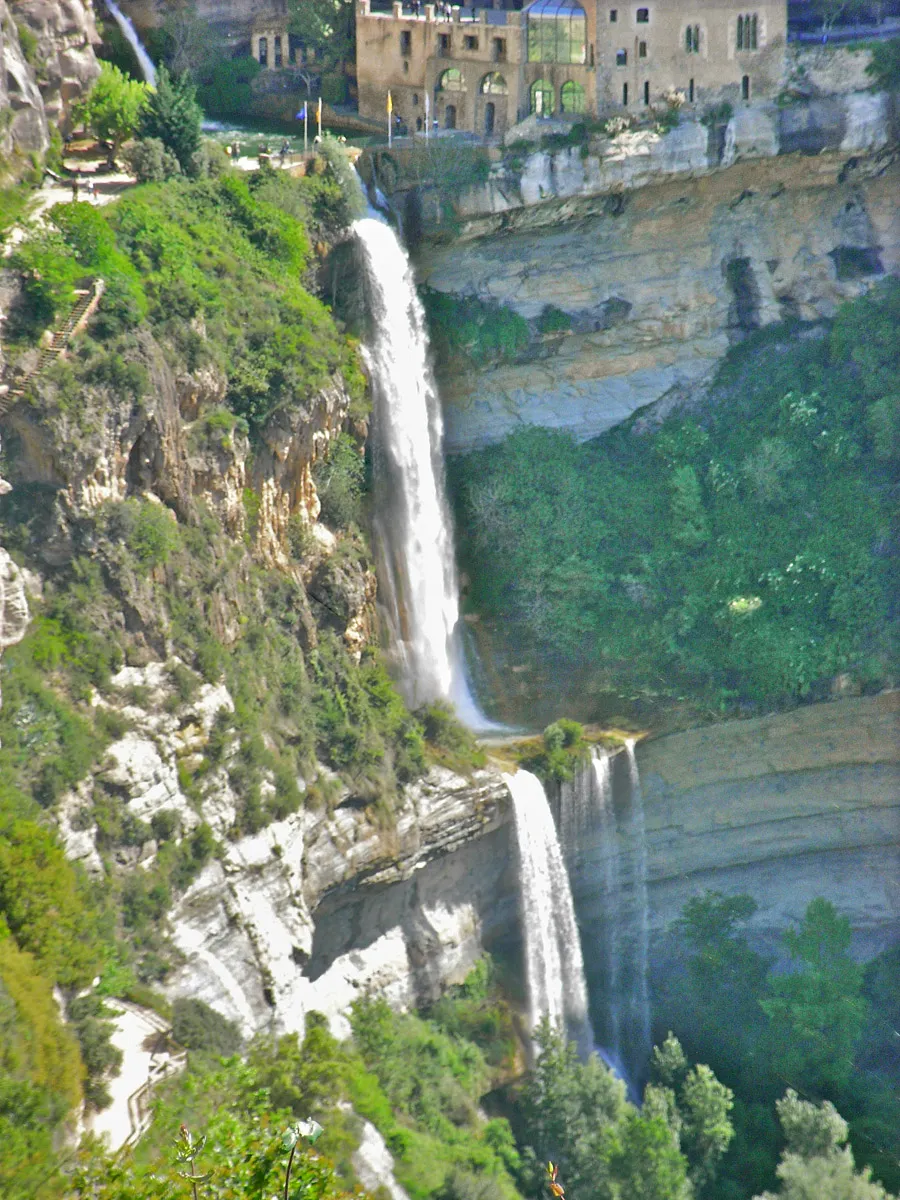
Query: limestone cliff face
786, 808
39, 88
313, 910
165, 445
661, 251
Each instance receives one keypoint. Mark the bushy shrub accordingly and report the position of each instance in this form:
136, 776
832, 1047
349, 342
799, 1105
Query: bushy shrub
196, 1026
150, 161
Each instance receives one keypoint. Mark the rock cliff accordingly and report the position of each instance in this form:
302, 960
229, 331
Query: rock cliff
47, 56
656, 283
786, 808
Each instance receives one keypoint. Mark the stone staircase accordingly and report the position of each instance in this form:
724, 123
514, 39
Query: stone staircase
54, 345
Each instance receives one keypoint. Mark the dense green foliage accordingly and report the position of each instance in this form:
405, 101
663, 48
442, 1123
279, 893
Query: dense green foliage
172, 114
742, 555
473, 330
820, 1026
885, 65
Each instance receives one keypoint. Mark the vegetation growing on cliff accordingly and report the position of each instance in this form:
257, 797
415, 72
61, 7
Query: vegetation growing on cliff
742, 555
212, 281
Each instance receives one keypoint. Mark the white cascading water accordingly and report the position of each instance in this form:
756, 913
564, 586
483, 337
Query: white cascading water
418, 586
640, 998
553, 963
145, 62
609, 846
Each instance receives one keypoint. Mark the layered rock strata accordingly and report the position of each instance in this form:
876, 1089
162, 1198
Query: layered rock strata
785, 808
657, 283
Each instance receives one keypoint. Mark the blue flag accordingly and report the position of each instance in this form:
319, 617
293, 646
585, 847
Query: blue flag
301, 115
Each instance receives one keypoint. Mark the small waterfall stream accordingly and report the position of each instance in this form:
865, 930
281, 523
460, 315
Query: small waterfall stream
640, 995
553, 963
418, 586
604, 838
145, 62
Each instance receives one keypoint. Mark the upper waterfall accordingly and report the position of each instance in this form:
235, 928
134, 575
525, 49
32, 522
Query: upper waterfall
418, 587
553, 961
145, 62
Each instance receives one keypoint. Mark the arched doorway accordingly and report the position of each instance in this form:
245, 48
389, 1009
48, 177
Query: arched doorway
542, 98
571, 97
450, 116
493, 84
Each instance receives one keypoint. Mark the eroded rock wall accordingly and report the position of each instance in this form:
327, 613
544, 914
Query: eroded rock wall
658, 282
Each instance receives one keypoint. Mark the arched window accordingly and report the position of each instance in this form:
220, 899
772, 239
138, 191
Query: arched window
451, 80
263, 52
557, 32
647, 91
571, 97
542, 97
747, 32
643, 16
692, 39
494, 84
745, 87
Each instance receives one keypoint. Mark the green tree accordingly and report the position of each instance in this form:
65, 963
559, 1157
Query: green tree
719, 1001
173, 115
113, 107
885, 65
645, 1162
324, 26
695, 1105
816, 1165
817, 1011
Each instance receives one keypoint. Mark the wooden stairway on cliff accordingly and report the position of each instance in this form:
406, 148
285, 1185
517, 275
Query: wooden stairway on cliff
53, 348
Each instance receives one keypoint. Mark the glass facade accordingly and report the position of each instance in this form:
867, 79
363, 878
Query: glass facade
557, 32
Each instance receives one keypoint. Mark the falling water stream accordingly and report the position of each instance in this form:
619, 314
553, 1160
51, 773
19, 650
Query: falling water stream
418, 586
640, 997
553, 963
145, 62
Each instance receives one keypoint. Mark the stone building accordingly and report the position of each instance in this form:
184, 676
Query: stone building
484, 69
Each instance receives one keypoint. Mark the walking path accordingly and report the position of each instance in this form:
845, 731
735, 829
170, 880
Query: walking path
148, 1057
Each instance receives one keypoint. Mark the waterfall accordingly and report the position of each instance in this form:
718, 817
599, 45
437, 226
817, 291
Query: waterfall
130, 34
553, 964
606, 849
589, 835
418, 587
639, 999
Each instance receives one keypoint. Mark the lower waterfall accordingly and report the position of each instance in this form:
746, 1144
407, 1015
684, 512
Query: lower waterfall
417, 582
554, 966
604, 840
640, 997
